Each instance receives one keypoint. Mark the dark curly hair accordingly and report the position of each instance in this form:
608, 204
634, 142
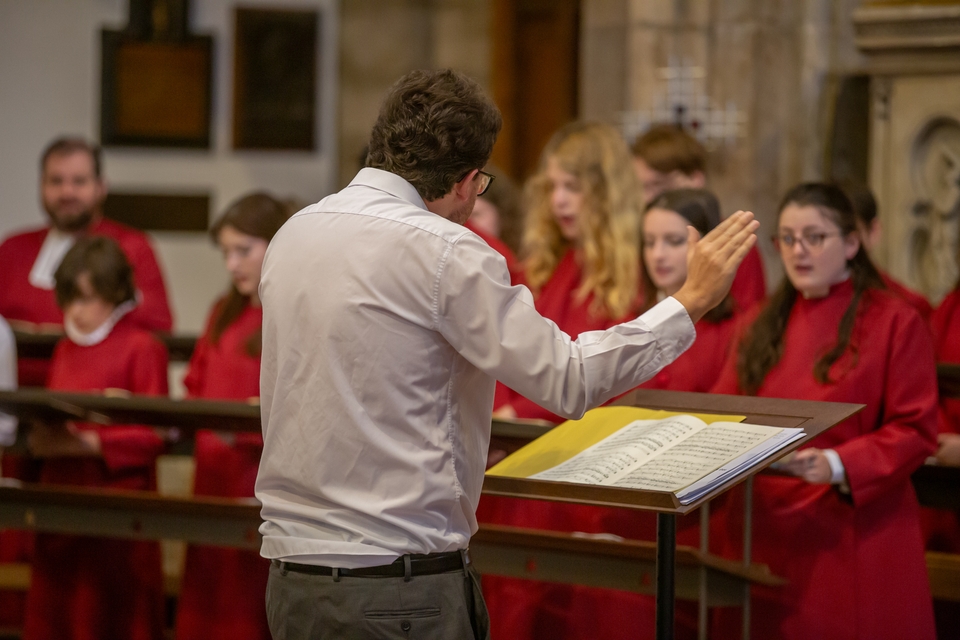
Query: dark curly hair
109, 271
434, 128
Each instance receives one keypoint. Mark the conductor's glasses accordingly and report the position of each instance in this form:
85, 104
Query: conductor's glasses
811, 241
486, 179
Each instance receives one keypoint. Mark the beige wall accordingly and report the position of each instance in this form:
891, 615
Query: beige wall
49, 86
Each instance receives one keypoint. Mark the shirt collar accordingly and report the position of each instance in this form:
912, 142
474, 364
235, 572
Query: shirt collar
390, 183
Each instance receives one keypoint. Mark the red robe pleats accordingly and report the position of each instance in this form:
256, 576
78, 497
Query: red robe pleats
86, 588
222, 593
854, 562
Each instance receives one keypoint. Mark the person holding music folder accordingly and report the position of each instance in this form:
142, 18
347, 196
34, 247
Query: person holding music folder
385, 325
221, 595
81, 587
842, 524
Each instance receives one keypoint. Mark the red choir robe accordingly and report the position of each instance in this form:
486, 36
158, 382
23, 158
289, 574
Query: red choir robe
222, 593
697, 370
498, 245
942, 528
916, 300
521, 609
85, 588
855, 563
749, 285
557, 301
20, 300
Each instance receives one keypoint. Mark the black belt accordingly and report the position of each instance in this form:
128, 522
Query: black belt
403, 567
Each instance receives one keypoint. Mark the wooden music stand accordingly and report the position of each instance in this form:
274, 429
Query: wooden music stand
813, 417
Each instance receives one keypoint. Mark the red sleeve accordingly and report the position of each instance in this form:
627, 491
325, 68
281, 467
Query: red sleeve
130, 446
197, 369
878, 461
153, 312
749, 286
727, 382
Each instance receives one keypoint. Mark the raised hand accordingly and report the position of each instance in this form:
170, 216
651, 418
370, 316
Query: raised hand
712, 262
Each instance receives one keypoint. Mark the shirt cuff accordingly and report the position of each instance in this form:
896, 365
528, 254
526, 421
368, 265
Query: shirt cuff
838, 474
668, 318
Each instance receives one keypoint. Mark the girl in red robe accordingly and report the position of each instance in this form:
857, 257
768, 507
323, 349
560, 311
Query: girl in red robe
842, 525
582, 263
222, 593
664, 253
85, 588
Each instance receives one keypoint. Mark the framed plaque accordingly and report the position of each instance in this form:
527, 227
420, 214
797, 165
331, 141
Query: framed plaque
275, 79
155, 92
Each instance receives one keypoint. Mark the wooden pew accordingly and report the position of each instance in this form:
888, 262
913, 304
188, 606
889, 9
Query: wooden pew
40, 345
938, 487
539, 555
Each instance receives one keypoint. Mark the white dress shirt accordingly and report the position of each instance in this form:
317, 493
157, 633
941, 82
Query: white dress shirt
385, 327
8, 381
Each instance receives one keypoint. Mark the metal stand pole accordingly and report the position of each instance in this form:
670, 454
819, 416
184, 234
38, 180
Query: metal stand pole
702, 611
747, 550
666, 560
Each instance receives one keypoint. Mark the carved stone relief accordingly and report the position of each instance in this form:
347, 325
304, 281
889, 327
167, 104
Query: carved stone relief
935, 174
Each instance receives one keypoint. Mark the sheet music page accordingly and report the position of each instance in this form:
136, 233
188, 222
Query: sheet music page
704, 451
623, 451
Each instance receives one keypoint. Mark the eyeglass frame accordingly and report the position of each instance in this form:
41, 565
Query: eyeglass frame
488, 176
804, 239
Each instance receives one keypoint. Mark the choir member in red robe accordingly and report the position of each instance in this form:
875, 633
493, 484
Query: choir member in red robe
14, 546
941, 526
222, 593
583, 265
842, 525
666, 157
72, 191
85, 588
865, 206
946, 335
664, 253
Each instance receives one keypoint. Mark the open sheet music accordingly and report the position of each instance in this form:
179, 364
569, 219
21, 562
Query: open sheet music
679, 453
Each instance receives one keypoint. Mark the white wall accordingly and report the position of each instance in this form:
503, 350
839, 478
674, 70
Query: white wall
50, 85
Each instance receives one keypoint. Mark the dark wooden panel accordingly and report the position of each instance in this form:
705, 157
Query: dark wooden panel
160, 212
155, 93
850, 138
275, 71
535, 50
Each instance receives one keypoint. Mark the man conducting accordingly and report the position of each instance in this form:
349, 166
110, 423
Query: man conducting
385, 325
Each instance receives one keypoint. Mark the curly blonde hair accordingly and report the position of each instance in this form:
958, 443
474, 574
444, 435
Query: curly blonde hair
610, 220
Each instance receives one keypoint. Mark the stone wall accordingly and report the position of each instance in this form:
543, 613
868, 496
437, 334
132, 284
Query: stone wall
380, 40
774, 60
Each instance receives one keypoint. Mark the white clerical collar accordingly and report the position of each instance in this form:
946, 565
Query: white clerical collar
99, 334
54, 247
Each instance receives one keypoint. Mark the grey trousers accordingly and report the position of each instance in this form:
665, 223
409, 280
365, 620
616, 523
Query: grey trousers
443, 606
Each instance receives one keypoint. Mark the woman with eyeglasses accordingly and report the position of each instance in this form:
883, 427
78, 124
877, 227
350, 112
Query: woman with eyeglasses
842, 522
